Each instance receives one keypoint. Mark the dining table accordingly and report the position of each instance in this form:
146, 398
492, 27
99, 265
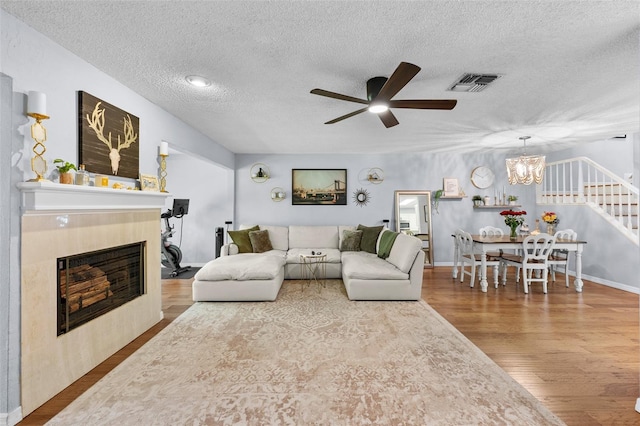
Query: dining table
484, 244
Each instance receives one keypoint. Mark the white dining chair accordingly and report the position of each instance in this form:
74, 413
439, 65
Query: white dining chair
491, 231
469, 257
559, 257
534, 258
456, 252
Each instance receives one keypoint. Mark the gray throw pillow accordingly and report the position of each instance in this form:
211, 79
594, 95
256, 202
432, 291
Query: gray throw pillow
260, 241
369, 237
351, 240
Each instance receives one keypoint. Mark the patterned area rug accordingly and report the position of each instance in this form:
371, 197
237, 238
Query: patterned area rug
310, 357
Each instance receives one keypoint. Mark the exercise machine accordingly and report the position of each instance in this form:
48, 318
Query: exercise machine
171, 255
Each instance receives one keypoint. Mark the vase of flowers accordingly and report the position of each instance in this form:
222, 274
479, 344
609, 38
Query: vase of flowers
551, 219
513, 219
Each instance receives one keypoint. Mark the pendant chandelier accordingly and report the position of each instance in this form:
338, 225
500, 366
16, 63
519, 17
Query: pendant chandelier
525, 169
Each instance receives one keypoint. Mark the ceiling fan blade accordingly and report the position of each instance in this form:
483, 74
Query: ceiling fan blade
424, 103
351, 114
388, 119
338, 96
400, 77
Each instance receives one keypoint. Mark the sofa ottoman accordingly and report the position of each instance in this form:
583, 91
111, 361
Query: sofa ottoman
241, 277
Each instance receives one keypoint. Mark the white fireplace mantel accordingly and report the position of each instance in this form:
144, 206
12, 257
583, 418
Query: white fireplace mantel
50, 196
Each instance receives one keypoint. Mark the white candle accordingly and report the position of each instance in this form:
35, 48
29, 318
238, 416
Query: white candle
37, 103
164, 148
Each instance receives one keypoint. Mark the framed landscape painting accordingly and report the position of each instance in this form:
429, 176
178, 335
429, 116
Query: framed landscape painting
319, 187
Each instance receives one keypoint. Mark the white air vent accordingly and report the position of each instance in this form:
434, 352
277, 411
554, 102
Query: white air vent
473, 82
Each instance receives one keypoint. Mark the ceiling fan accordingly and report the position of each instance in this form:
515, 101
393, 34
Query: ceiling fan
380, 90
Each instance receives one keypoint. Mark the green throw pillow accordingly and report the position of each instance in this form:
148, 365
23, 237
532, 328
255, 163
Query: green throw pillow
369, 237
260, 241
351, 240
241, 239
387, 238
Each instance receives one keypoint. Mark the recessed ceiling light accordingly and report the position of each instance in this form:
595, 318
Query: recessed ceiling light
198, 81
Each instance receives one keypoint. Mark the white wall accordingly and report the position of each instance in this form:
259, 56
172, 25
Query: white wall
402, 172
209, 189
613, 263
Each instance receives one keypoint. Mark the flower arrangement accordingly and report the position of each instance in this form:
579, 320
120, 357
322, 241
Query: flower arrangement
551, 218
513, 219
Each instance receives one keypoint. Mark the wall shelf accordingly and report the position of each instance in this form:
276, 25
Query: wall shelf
506, 206
452, 197
260, 172
277, 194
375, 175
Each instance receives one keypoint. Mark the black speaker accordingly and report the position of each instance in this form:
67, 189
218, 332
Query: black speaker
219, 241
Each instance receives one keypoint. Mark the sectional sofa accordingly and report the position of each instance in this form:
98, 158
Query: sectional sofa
255, 272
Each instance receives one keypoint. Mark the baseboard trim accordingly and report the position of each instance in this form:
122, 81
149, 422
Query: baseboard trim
12, 418
619, 286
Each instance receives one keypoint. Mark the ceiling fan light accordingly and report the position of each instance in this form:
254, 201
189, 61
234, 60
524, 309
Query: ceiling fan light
198, 81
378, 108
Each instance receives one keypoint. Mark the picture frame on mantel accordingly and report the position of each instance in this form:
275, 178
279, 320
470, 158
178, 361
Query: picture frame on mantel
319, 187
149, 183
108, 140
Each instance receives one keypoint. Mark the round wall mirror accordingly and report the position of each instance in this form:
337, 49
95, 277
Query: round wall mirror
361, 197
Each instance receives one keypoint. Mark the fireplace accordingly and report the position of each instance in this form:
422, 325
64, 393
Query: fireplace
60, 222
94, 283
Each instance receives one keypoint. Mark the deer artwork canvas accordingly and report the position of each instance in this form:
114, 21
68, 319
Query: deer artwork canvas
108, 138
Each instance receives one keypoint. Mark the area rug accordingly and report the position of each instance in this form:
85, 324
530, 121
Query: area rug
312, 357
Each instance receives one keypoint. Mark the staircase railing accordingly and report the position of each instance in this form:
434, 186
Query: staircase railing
583, 181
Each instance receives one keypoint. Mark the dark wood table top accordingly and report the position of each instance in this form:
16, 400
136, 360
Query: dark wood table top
519, 239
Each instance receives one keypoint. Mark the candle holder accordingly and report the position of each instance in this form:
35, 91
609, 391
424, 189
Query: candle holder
36, 109
163, 172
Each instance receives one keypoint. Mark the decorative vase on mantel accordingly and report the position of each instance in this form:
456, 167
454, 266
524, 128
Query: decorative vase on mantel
513, 235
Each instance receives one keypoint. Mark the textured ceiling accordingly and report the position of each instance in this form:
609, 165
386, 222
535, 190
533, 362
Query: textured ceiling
570, 68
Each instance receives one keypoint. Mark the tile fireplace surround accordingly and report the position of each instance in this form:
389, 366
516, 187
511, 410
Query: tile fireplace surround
63, 220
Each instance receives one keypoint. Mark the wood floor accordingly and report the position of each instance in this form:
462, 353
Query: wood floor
577, 353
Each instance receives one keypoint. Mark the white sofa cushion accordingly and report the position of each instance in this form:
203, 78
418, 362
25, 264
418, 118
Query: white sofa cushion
279, 236
293, 255
313, 237
368, 266
246, 266
404, 251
